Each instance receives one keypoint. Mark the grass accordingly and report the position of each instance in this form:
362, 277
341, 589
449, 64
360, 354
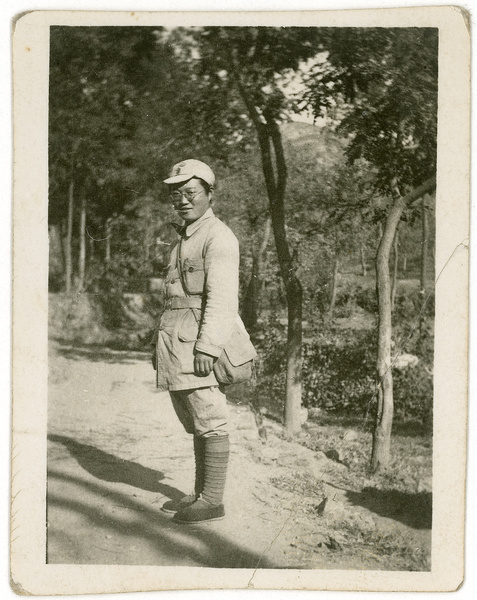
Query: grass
409, 471
301, 483
405, 553
386, 516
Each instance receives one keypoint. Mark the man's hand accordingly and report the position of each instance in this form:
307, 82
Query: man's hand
203, 364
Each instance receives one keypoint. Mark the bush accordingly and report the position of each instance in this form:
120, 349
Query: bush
409, 305
413, 395
339, 374
356, 296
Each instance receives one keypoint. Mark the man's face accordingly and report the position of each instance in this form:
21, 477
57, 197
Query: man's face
190, 199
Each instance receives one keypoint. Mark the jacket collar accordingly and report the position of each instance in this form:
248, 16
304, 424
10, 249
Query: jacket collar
188, 230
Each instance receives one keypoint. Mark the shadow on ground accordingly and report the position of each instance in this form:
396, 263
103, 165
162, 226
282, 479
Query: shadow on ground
414, 510
117, 470
172, 544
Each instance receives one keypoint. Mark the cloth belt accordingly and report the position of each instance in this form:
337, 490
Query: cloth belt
186, 302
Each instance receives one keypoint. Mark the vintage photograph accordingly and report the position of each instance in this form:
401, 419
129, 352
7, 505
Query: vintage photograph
243, 264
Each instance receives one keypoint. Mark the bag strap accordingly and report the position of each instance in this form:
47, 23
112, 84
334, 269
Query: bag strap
182, 278
179, 268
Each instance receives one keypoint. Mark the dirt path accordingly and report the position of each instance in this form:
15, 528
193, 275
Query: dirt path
116, 452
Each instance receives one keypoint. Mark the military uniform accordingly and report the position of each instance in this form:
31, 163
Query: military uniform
209, 255
202, 321
200, 316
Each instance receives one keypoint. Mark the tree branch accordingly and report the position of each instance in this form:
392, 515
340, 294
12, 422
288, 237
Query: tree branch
282, 172
237, 78
418, 192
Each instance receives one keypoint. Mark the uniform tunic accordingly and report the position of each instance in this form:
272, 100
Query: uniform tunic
209, 255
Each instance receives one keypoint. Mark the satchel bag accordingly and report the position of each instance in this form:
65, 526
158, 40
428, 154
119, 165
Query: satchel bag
236, 363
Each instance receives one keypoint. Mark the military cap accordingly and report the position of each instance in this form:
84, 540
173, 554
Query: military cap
187, 169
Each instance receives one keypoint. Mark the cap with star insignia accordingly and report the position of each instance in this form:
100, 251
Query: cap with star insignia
187, 169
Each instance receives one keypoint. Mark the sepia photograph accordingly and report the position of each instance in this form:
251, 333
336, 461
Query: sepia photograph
251, 299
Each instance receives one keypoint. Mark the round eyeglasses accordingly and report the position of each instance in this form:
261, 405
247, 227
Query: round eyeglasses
189, 195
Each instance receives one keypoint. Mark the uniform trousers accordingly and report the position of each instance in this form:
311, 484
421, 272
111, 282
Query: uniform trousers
202, 411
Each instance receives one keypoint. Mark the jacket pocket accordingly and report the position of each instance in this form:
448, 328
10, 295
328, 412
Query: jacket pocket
188, 330
194, 276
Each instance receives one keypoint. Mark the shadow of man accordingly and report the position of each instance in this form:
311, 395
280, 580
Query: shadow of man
117, 470
167, 543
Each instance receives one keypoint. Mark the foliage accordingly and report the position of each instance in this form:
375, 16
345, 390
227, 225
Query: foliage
96, 74
125, 102
113, 129
387, 78
339, 370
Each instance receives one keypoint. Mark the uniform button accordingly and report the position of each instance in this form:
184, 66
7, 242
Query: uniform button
190, 269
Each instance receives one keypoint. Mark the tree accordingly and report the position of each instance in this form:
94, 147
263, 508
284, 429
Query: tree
241, 66
394, 282
424, 246
385, 81
381, 452
253, 292
331, 211
99, 79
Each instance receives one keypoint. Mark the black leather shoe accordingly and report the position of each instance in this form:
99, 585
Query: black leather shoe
173, 506
199, 512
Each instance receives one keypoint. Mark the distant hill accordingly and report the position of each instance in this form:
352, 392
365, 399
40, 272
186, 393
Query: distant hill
321, 140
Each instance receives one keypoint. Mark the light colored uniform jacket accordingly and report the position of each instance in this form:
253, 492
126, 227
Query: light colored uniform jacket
209, 255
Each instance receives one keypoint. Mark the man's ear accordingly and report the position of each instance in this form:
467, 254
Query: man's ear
211, 196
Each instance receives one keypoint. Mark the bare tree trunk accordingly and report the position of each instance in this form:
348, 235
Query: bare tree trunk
424, 255
82, 252
334, 286
381, 451
404, 264
424, 246
395, 269
293, 288
294, 357
384, 417
251, 302
268, 133
69, 238
364, 269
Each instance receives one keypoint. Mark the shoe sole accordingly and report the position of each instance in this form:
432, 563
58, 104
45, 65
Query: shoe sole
169, 512
173, 511
199, 521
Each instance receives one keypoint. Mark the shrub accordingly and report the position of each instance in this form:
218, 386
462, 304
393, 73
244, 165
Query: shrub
411, 304
339, 374
413, 395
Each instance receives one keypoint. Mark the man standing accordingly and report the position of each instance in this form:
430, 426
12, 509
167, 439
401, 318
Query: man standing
200, 318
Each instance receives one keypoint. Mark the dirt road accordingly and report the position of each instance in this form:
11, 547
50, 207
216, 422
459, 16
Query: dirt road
116, 452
